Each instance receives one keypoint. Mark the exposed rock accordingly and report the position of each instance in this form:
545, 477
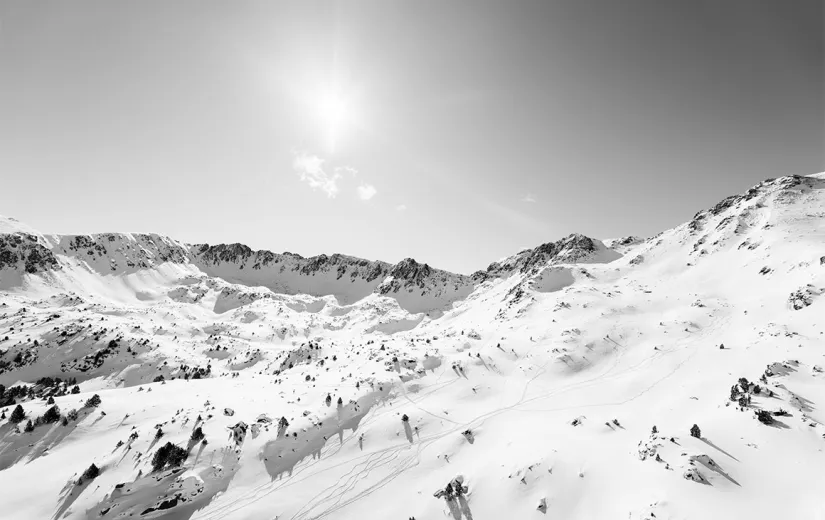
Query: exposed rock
23, 251
694, 475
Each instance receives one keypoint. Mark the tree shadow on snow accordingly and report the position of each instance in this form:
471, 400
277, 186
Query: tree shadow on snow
15, 447
465, 508
281, 455
459, 508
717, 448
804, 405
158, 493
71, 492
776, 423
711, 465
198, 455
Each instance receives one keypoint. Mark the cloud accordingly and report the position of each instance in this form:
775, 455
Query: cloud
310, 169
528, 198
401, 207
345, 170
366, 191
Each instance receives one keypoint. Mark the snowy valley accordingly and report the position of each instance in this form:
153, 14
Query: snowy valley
143, 377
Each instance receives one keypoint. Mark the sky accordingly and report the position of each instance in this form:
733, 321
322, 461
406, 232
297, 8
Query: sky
452, 132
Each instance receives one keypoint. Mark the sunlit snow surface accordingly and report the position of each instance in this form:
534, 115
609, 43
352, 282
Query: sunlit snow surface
559, 361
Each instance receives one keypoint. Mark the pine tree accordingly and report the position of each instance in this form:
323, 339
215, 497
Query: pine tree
52, 415
197, 434
17, 415
695, 431
91, 473
29, 427
92, 402
764, 416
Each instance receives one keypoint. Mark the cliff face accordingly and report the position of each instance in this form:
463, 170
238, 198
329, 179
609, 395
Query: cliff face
419, 287
347, 278
120, 252
24, 253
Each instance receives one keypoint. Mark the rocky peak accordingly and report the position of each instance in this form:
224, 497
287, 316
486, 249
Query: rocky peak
411, 271
785, 188
418, 287
571, 249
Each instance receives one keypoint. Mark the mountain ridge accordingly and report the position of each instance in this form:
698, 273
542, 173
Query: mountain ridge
674, 377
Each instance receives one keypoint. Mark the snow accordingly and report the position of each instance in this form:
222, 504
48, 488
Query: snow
559, 361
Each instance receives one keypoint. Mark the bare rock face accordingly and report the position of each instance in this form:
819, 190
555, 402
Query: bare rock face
23, 251
120, 252
803, 297
418, 286
568, 249
782, 190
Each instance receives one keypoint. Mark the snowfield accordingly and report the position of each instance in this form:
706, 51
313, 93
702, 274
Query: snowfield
562, 382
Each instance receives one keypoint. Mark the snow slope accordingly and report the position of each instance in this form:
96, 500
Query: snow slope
537, 382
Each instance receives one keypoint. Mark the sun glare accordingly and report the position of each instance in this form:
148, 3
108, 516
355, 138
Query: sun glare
334, 114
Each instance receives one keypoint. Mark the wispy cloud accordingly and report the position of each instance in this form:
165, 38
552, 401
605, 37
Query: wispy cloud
401, 207
366, 191
310, 169
528, 198
346, 170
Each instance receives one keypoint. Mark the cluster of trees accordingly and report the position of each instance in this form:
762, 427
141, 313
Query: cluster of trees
51, 416
44, 387
168, 455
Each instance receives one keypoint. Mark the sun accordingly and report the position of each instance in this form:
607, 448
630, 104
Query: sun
334, 114
332, 109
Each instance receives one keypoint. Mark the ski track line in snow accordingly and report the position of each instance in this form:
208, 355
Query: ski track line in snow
372, 415
712, 326
394, 449
427, 440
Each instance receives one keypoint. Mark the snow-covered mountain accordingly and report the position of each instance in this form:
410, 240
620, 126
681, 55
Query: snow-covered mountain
563, 381
416, 287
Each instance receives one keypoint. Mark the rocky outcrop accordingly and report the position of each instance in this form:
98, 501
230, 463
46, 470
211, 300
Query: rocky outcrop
24, 252
803, 297
783, 189
420, 288
409, 274
574, 248
120, 252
